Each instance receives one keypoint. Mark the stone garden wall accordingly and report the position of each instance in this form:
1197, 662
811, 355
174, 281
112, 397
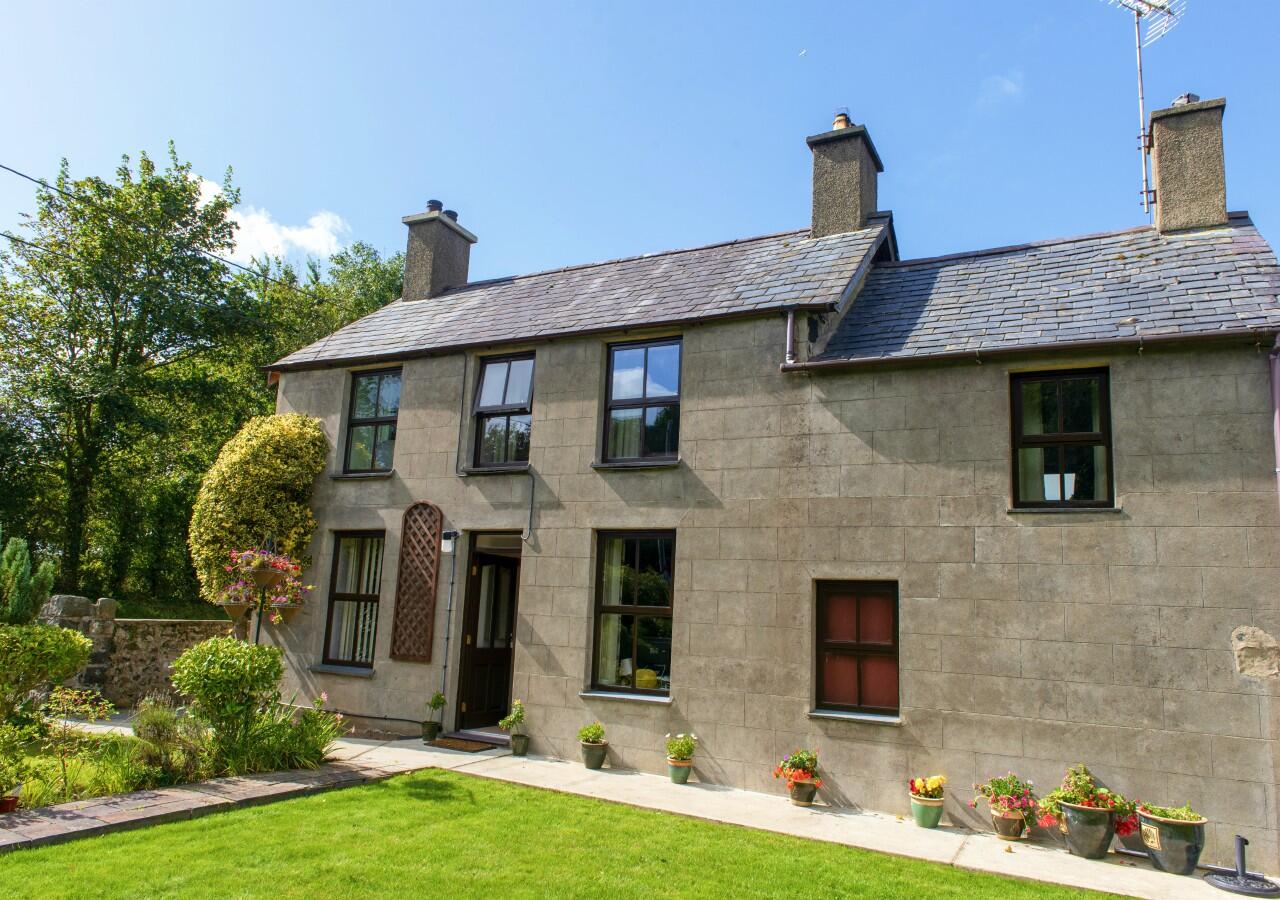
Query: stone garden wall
131, 657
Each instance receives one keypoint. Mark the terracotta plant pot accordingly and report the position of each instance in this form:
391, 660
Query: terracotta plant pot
679, 770
1173, 845
1089, 831
927, 811
8, 803
519, 744
802, 792
267, 578
593, 754
430, 731
1009, 825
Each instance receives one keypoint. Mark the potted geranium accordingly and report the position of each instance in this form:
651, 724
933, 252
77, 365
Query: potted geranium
1087, 814
1012, 804
800, 770
594, 746
513, 722
680, 751
431, 725
926, 799
1173, 836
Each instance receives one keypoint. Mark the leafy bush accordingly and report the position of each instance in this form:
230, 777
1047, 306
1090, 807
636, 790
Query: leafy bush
682, 746
22, 593
281, 737
591, 734
177, 746
514, 720
104, 764
229, 682
64, 740
13, 766
259, 487
35, 656
1177, 813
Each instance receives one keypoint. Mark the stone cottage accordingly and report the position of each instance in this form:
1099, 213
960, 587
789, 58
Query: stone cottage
1000, 510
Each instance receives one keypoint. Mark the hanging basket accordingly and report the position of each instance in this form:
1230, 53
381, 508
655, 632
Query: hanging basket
236, 611
269, 579
286, 610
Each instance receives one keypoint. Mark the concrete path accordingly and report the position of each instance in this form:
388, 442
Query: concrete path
357, 761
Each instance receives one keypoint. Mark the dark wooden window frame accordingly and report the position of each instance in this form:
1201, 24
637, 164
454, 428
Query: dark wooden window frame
334, 596
502, 410
354, 423
657, 612
641, 403
1060, 440
853, 648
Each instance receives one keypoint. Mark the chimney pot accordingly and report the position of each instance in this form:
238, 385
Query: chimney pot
842, 119
1187, 164
434, 206
452, 214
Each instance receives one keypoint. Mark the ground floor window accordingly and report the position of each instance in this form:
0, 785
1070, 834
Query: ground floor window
634, 575
353, 598
856, 646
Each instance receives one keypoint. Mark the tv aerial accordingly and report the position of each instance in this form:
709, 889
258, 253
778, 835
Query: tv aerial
1152, 20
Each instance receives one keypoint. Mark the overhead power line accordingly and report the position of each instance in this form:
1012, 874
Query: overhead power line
111, 212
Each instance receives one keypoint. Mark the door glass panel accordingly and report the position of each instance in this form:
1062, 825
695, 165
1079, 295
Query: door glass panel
614, 664
653, 653
663, 378
501, 630
662, 430
624, 434
485, 610
839, 679
389, 395
493, 383
875, 619
840, 617
519, 382
1039, 407
628, 374
880, 682
1085, 477
1081, 410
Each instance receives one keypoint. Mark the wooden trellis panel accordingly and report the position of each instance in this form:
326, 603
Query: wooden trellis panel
413, 628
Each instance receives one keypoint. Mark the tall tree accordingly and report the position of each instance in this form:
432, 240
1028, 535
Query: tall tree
103, 313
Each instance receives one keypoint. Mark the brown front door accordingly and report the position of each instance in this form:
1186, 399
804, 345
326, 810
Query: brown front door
489, 625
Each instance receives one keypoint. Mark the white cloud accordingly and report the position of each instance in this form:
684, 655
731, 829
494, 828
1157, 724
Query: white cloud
998, 88
258, 232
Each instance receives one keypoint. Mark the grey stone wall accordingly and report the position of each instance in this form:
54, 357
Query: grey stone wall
131, 658
1029, 641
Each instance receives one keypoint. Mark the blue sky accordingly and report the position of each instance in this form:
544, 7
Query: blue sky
567, 133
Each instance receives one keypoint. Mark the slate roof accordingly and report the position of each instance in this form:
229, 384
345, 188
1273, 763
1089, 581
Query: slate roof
779, 271
1059, 292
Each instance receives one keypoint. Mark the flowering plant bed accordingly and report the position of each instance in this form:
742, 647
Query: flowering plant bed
1012, 803
800, 770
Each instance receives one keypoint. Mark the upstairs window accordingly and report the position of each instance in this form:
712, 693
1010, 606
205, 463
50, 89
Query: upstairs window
504, 411
1062, 439
642, 406
371, 425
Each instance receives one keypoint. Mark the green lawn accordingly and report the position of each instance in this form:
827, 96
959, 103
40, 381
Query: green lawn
439, 834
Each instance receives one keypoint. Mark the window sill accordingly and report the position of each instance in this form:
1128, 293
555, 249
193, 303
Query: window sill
637, 464
362, 476
351, 671
467, 471
1062, 510
866, 718
631, 698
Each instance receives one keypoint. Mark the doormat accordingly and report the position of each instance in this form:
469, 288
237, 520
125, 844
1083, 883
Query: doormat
449, 743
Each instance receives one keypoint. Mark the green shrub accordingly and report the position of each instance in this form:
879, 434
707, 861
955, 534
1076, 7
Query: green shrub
103, 764
35, 656
22, 593
281, 737
176, 746
258, 488
591, 734
228, 682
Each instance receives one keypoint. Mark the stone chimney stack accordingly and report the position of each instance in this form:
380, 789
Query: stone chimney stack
438, 254
1187, 166
845, 166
